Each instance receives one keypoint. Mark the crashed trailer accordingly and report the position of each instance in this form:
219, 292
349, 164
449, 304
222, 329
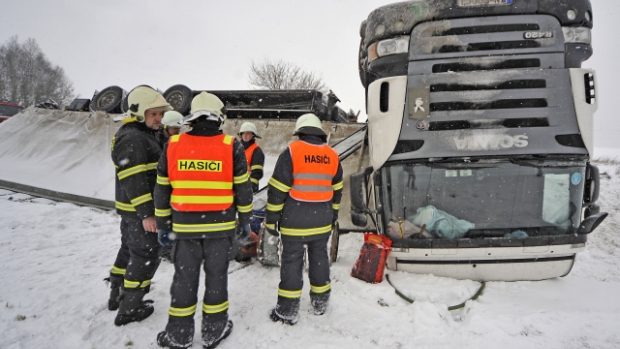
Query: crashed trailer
257, 104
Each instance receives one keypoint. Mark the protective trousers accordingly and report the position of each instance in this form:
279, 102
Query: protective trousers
136, 263
188, 255
291, 275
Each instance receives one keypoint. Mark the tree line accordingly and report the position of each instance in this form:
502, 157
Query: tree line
28, 78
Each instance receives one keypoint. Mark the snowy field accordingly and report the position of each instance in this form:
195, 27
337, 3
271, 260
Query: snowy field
55, 255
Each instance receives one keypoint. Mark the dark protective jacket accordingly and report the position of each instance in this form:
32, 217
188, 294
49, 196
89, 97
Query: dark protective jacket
135, 153
208, 224
256, 160
300, 220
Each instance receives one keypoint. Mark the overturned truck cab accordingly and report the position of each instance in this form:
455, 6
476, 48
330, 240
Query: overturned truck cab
480, 136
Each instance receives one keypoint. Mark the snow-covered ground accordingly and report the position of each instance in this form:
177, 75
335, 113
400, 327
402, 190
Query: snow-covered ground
55, 255
602, 155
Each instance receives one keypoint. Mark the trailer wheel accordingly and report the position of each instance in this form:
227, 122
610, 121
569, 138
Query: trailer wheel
333, 248
108, 100
180, 98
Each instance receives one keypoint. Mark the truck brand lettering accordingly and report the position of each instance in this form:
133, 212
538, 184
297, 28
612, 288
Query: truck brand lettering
538, 35
490, 142
317, 159
200, 165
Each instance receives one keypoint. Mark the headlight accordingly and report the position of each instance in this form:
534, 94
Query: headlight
580, 35
388, 47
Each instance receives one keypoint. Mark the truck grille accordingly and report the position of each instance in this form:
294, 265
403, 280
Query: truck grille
483, 85
498, 64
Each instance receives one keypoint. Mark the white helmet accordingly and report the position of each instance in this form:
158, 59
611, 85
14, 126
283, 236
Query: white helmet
172, 118
208, 105
248, 127
309, 124
142, 98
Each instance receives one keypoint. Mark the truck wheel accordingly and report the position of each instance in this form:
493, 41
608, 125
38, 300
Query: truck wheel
361, 65
108, 100
180, 98
333, 248
361, 56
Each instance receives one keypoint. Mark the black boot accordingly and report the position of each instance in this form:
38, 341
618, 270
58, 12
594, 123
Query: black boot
115, 292
286, 311
133, 308
137, 314
164, 340
319, 303
211, 341
179, 333
277, 317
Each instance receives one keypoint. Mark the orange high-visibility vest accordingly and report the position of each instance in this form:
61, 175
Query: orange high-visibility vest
249, 152
200, 170
314, 167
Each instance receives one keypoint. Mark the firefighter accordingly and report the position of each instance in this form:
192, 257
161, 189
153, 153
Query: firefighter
135, 152
302, 205
202, 184
253, 153
172, 123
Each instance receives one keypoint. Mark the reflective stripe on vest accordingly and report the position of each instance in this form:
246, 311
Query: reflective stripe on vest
249, 153
314, 167
200, 171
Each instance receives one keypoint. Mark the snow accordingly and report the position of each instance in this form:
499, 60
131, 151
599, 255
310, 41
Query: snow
55, 255
70, 147
606, 154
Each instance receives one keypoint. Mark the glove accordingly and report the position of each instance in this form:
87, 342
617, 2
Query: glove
271, 229
164, 237
244, 237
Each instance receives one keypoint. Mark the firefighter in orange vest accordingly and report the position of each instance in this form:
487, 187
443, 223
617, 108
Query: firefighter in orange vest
253, 153
135, 152
302, 206
202, 184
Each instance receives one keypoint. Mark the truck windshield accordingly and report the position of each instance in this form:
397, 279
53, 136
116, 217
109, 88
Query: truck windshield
493, 199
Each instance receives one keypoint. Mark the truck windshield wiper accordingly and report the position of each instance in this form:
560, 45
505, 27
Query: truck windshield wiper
461, 163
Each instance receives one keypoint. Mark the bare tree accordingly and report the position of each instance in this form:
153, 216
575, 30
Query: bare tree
27, 77
281, 75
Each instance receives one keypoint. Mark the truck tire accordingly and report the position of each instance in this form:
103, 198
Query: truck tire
108, 100
180, 98
361, 56
361, 64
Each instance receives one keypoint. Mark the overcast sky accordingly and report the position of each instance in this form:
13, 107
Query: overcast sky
207, 44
